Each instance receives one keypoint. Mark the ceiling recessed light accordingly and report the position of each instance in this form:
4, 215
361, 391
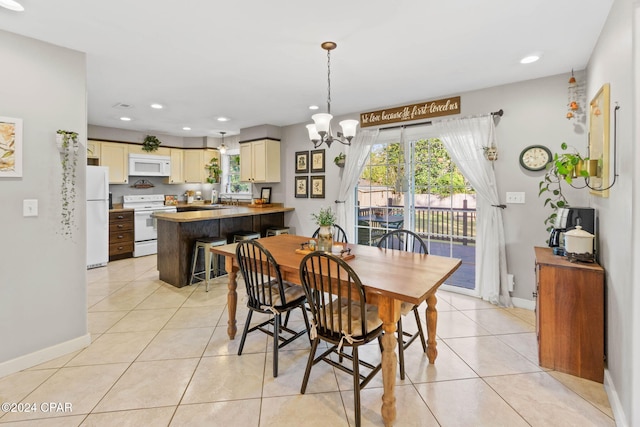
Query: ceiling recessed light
313, 107
12, 5
223, 119
186, 128
157, 106
125, 119
529, 59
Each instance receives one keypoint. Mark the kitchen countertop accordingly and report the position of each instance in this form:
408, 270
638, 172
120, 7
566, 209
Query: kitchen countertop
219, 213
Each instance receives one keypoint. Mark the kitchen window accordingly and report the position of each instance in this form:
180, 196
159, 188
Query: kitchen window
231, 175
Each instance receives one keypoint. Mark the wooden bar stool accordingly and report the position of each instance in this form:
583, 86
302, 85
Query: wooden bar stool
210, 260
276, 231
239, 236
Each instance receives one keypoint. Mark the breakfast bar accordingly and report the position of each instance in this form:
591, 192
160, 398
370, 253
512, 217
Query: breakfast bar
177, 233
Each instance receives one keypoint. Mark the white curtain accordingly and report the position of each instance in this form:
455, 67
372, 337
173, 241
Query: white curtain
464, 139
357, 154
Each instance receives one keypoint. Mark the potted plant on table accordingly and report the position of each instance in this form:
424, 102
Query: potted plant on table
563, 167
325, 219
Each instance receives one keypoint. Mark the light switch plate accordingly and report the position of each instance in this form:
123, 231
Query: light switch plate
515, 197
30, 207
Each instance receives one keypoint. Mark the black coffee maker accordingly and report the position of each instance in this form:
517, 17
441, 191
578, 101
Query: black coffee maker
568, 219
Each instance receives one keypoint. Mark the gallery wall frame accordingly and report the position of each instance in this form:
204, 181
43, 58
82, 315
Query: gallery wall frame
302, 187
317, 187
10, 147
302, 161
599, 125
317, 161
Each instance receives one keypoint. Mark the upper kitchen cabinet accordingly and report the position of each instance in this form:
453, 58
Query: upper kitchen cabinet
260, 161
161, 151
116, 157
177, 173
93, 150
193, 164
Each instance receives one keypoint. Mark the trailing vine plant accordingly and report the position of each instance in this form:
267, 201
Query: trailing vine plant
563, 167
68, 146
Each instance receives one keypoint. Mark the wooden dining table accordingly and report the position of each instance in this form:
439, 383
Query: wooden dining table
389, 276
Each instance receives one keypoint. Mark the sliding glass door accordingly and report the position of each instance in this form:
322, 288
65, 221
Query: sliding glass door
410, 182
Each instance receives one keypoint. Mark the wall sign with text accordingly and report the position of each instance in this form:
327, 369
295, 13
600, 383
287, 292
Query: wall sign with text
424, 110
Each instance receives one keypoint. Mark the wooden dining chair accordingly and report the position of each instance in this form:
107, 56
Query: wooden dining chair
408, 241
339, 235
340, 317
268, 294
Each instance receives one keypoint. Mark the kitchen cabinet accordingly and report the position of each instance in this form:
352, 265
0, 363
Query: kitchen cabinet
193, 166
260, 161
570, 315
93, 150
116, 157
137, 149
121, 234
177, 176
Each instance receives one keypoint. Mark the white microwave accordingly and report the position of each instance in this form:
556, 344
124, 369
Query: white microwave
149, 165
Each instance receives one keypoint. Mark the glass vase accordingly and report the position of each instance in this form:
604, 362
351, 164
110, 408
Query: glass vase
325, 238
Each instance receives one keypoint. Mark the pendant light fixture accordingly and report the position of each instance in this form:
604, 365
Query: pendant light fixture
222, 148
320, 131
12, 5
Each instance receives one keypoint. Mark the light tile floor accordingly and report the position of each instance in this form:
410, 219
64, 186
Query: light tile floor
160, 356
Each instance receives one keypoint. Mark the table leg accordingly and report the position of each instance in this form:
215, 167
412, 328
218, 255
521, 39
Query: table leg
432, 323
389, 312
232, 296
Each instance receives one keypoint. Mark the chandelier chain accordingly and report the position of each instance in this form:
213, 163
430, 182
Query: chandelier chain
329, 81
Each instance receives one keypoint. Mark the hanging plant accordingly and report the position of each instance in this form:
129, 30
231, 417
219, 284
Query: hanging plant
67, 142
340, 160
150, 143
563, 167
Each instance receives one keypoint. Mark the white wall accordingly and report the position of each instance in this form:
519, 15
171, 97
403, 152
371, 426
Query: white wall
612, 62
43, 304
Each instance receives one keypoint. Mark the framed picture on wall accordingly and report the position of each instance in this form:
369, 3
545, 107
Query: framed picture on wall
317, 187
10, 147
302, 161
599, 142
317, 161
302, 186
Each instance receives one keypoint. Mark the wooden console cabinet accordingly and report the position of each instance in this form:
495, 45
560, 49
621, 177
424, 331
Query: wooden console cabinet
570, 315
120, 234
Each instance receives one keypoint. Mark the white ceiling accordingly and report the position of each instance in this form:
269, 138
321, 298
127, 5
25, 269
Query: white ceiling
260, 62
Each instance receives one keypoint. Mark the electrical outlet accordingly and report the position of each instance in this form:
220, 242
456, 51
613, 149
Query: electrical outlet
511, 282
515, 197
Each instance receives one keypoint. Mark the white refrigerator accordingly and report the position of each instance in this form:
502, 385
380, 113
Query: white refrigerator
97, 216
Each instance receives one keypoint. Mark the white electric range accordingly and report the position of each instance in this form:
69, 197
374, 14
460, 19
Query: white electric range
145, 225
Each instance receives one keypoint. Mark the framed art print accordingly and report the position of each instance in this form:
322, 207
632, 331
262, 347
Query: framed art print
317, 187
302, 161
265, 194
10, 147
302, 187
317, 161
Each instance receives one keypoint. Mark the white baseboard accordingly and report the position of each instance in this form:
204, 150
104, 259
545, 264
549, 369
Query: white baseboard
36, 358
614, 401
524, 303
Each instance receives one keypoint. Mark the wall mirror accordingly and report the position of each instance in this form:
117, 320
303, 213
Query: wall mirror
599, 141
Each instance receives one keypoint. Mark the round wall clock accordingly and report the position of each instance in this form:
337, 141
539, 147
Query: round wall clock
535, 157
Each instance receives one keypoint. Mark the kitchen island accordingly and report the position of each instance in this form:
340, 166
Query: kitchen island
177, 233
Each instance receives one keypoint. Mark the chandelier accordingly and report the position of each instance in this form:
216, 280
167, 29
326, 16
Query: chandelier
222, 148
320, 130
